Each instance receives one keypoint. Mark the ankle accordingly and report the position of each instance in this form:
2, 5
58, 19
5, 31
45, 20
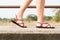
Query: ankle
19, 20
18, 17
39, 24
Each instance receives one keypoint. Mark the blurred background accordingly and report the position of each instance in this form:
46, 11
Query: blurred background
51, 15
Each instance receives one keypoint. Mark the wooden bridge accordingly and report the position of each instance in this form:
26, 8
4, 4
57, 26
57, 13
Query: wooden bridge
29, 30
30, 33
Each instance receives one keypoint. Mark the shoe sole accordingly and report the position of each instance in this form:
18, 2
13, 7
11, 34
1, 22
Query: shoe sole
45, 27
18, 24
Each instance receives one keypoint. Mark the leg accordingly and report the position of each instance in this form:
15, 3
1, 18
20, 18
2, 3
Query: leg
40, 10
18, 19
22, 8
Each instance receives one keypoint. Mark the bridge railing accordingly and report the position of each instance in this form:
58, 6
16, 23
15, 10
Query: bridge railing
28, 7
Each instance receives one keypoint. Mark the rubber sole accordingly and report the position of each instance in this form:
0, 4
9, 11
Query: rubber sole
45, 27
18, 24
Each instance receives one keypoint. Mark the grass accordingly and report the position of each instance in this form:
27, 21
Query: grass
32, 23
2, 23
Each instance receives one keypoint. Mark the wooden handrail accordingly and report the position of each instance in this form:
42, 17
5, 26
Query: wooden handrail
28, 6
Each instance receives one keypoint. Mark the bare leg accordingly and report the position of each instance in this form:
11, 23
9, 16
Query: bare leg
22, 8
40, 10
19, 16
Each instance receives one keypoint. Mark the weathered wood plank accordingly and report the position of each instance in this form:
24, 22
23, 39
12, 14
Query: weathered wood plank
29, 30
28, 6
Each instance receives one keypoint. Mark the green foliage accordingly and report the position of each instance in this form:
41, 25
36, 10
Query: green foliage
31, 17
57, 16
5, 19
0, 19
47, 18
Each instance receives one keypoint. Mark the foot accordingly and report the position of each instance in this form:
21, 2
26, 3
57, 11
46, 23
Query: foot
43, 25
18, 22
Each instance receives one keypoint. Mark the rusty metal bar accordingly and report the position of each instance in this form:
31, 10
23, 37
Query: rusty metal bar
28, 6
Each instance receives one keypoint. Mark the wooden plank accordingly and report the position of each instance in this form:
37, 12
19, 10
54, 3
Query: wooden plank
28, 6
28, 30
